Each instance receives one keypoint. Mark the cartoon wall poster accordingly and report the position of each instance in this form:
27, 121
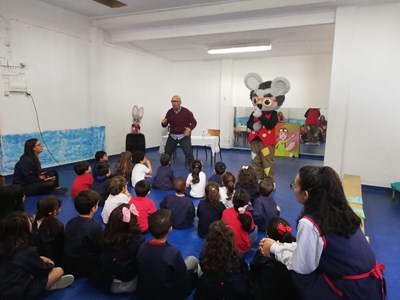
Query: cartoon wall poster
287, 139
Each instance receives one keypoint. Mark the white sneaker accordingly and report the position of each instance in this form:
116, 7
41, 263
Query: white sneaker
63, 282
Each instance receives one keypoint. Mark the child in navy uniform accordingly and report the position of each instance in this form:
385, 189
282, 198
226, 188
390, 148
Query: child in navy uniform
101, 182
23, 273
163, 274
209, 209
181, 206
219, 169
264, 206
165, 174
100, 157
224, 274
247, 180
47, 231
82, 236
83, 180
121, 241
270, 278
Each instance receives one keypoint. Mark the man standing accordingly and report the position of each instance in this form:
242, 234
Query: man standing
181, 122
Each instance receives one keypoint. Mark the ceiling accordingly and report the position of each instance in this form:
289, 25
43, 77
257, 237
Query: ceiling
182, 30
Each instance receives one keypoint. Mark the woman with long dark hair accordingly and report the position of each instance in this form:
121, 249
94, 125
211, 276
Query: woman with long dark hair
28, 172
332, 259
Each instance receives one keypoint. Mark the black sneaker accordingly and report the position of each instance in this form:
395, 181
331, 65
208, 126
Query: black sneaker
59, 190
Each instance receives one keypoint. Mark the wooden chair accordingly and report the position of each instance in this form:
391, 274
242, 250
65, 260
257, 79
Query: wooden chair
215, 132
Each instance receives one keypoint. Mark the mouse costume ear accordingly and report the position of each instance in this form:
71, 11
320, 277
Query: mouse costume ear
280, 86
252, 81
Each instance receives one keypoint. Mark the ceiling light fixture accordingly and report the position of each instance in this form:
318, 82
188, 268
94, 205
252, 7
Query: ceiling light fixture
240, 49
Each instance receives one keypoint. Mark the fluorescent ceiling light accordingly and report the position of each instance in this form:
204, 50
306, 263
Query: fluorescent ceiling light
240, 49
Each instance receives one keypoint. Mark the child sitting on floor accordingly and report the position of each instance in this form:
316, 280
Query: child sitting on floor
219, 170
121, 241
101, 182
209, 210
123, 166
163, 274
83, 180
196, 180
82, 236
271, 279
144, 206
181, 206
119, 194
241, 222
224, 274
142, 167
247, 180
47, 231
23, 273
164, 175
265, 206
99, 157
227, 189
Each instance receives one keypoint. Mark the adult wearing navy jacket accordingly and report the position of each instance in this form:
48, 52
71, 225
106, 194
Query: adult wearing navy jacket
181, 122
28, 172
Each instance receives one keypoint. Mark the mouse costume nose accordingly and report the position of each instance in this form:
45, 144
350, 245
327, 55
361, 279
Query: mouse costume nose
259, 106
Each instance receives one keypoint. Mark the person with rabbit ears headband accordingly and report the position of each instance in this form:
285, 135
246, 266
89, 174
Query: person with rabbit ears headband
267, 97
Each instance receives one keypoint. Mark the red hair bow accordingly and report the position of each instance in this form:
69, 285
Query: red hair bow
283, 228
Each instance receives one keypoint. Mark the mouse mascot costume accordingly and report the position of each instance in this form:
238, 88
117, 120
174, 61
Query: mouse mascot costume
267, 97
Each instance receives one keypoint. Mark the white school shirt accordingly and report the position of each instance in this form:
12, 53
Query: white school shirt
197, 190
138, 173
111, 203
302, 257
223, 193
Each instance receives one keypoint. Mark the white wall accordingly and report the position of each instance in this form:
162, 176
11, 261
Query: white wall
364, 100
55, 48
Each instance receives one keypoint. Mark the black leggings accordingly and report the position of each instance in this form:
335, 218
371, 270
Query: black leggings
42, 187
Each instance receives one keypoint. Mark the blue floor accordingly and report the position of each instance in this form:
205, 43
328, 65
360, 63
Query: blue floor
382, 217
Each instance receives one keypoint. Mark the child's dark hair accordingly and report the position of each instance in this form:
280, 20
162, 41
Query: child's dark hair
179, 185
117, 232
12, 199
219, 254
81, 167
137, 157
45, 210
160, 223
240, 199
247, 177
279, 230
85, 201
142, 188
165, 159
212, 195
195, 169
14, 233
99, 155
102, 169
265, 187
228, 180
220, 168
117, 185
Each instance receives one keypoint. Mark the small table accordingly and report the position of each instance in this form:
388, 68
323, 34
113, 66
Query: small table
199, 140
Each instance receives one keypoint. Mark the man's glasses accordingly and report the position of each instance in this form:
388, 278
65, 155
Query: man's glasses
292, 185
